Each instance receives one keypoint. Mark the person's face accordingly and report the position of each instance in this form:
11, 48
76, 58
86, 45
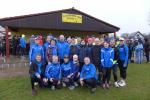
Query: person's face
53, 43
66, 60
106, 45
37, 41
73, 41
48, 39
122, 42
62, 38
97, 42
75, 58
112, 43
86, 61
38, 58
55, 59
90, 41
82, 42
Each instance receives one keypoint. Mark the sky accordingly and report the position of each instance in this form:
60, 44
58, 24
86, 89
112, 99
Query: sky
129, 15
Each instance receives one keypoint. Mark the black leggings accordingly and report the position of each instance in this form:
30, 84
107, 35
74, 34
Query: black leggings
147, 55
91, 82
123, 73
106, 75
35, 79
54, 83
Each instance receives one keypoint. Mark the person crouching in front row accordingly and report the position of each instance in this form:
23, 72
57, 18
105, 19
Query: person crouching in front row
37, 73
66, 68
88, 75
53, 73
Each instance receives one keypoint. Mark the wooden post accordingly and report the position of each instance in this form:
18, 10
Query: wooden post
7, 42
115, 35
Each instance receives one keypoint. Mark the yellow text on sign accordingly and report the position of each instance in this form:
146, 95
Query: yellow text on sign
71, 18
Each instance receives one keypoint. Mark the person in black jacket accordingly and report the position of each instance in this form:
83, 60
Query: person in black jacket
89, 48
82, 54
95, 53
74, 49
37, 73
147, 49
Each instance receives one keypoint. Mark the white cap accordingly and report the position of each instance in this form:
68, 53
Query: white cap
121, 39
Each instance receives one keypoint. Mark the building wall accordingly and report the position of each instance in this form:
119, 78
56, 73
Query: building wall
56, 33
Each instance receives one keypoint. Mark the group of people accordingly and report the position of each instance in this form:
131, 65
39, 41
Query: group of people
69, 63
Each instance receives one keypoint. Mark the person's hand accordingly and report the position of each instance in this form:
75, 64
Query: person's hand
68, 76
58, 82
78, 75
45, 80
49, 62
124, 65
38, 76
51, 79
81, 82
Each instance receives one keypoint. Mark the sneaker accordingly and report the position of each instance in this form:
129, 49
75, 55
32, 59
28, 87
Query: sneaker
71, 87
53, 88
116, 85
107, 86
93, 90
104, 86
34, 92
121, 83
76, 84
63, 84
36, 83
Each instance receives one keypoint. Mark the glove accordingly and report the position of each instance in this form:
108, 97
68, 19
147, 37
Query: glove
124, 65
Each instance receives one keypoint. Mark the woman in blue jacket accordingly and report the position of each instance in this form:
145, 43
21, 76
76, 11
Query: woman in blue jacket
53, 73
122, 61
88, 74
107, 56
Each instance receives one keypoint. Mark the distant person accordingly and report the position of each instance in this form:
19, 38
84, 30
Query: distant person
32, 40
88, 75
37, 73
23, 45
139, 54
147, 50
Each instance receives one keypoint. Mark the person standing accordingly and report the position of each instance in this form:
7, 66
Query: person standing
51, 51
63, 48
23, 45
107, 57
36, 49
122, 61
147, 50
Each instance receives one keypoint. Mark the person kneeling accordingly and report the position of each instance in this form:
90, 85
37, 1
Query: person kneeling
88, 75
53, 73
66, 68
37, 73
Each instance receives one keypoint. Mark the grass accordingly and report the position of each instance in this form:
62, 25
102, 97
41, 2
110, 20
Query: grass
138, 88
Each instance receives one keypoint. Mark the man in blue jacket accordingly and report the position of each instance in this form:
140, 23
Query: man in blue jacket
53, 73
88, 74
122, 61
23, 45
36, 49
66, 68
107, 57
63, 48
